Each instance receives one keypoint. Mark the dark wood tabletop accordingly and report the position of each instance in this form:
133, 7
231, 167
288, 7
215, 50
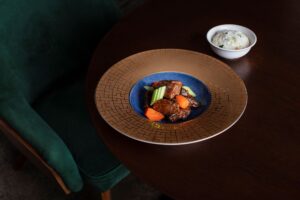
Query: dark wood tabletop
259, 157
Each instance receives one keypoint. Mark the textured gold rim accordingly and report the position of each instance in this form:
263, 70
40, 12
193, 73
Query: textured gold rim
228, 96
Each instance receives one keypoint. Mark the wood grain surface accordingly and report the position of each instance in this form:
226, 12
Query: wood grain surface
258, 158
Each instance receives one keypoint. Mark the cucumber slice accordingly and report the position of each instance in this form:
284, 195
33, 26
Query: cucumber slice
158, 94
189, 90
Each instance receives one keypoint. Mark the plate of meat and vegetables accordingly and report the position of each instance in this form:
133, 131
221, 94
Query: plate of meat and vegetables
170, 97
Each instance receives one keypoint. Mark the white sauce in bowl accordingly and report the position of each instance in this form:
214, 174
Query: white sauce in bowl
230, 39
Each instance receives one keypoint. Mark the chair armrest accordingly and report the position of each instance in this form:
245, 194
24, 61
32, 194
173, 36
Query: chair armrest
35, 131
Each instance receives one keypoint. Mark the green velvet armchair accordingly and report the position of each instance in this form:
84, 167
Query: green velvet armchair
45, 48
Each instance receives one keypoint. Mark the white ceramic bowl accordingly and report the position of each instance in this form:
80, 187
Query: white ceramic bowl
226, 53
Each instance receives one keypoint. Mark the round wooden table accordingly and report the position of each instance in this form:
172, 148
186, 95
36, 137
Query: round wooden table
259, 157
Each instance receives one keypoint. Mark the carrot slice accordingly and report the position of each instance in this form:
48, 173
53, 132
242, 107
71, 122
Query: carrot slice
182, 101
153, 115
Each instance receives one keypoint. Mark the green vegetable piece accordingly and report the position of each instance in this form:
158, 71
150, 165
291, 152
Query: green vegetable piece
154, 96
158, 94
189, 90
148, 88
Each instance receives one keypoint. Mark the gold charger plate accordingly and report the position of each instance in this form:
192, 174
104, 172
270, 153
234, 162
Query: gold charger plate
227, 90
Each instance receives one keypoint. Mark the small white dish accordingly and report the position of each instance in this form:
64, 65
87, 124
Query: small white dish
226, 53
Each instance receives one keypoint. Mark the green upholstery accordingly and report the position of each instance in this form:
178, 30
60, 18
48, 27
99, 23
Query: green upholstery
19, 114
45, 48
94, 160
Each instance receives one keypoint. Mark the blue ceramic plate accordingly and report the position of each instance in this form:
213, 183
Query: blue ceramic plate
137, 93
120, 96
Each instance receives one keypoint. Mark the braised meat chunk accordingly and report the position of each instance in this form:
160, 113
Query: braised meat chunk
181, 114
166, 107
173, 87
160, 83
